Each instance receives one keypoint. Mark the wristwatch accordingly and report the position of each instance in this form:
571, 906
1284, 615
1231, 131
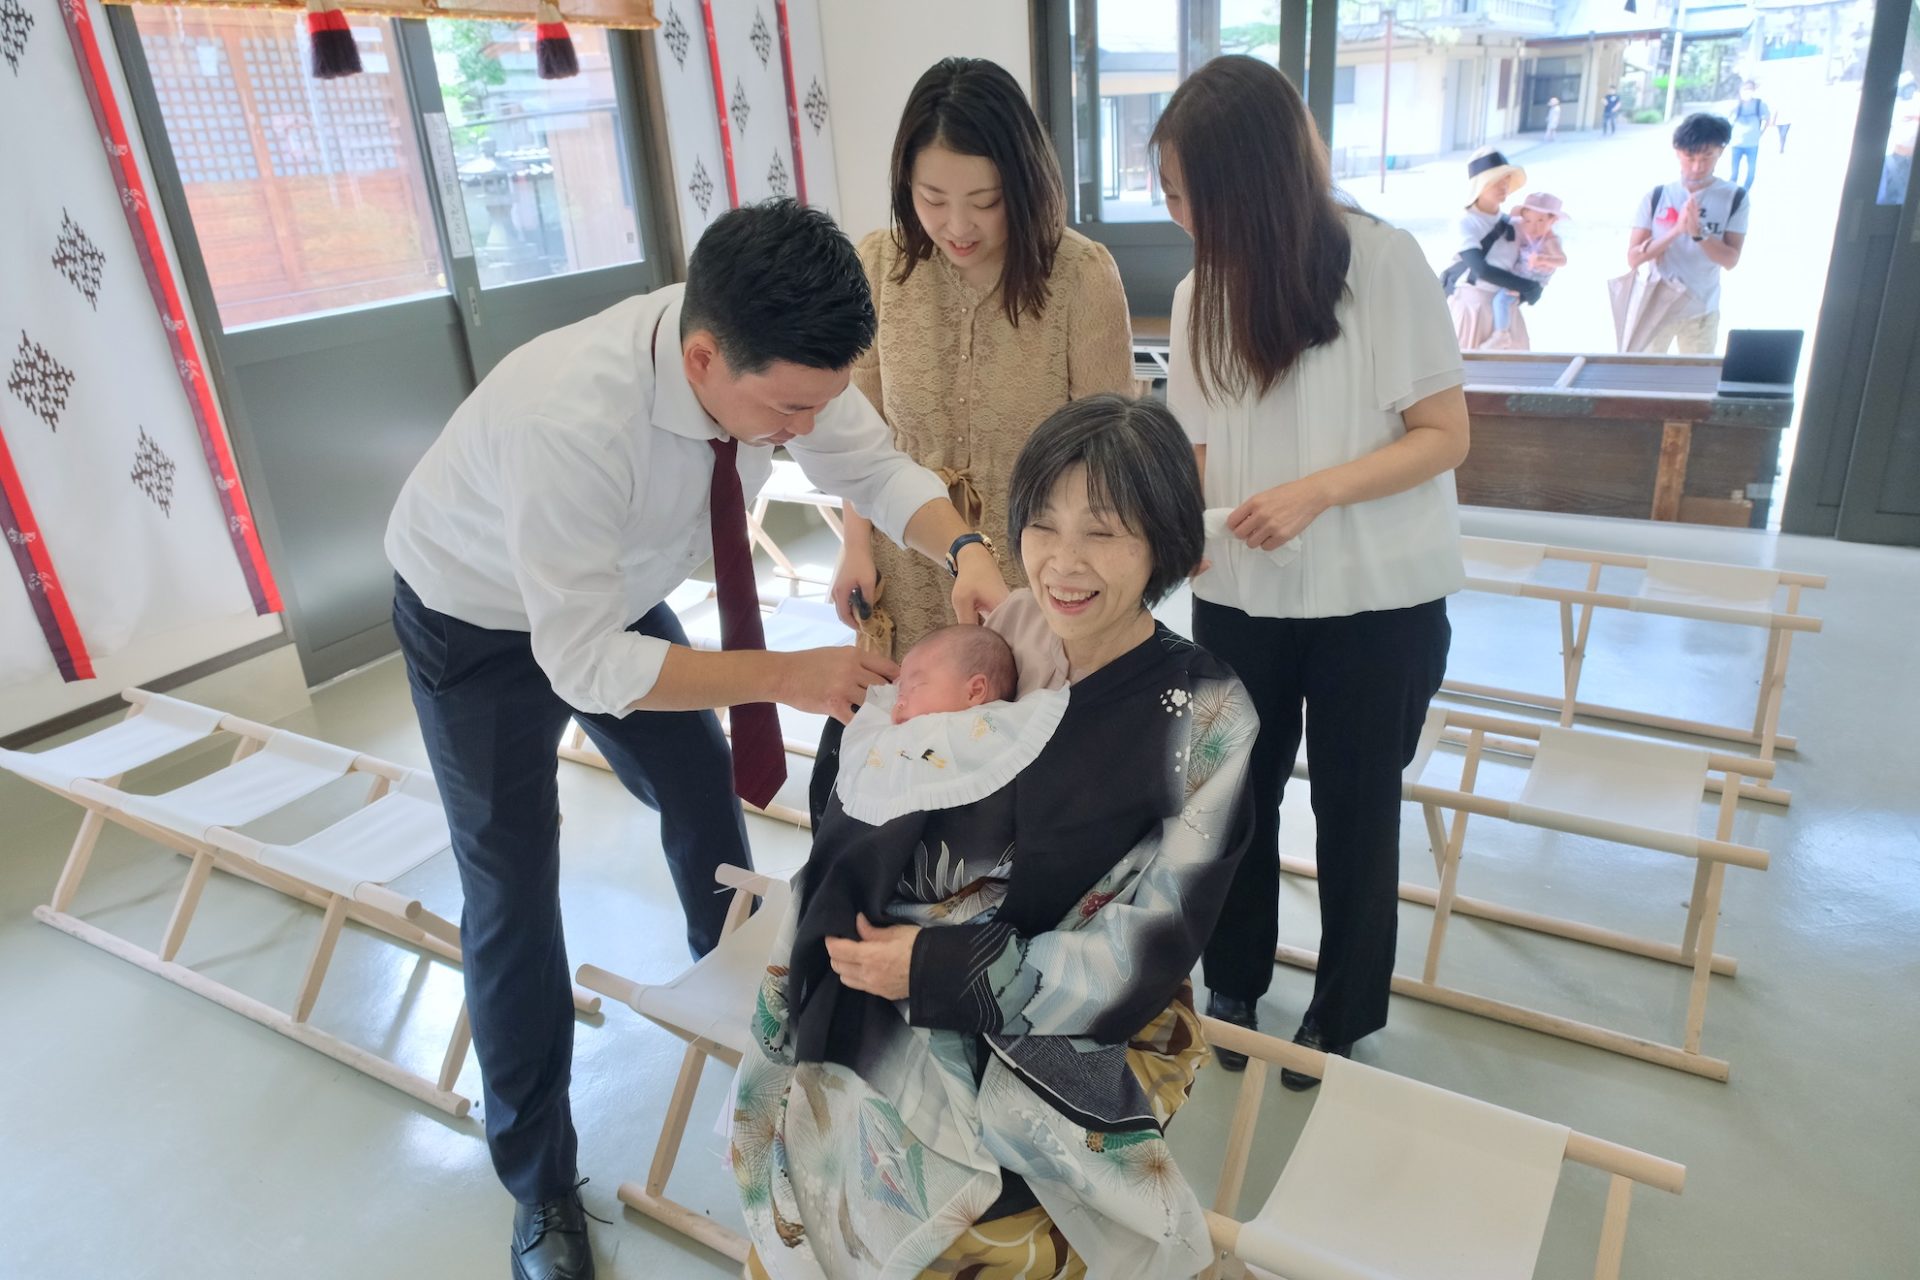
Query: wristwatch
953, 552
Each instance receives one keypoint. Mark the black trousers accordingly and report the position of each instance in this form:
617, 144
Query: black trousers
492, 725
1365, 681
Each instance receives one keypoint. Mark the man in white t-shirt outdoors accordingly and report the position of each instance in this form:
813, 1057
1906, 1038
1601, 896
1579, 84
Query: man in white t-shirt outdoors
1690, 231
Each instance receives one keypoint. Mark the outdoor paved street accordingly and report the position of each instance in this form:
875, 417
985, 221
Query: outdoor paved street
1781, 275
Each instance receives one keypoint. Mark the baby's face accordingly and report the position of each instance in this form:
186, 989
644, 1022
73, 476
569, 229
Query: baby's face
1535, 223
931, 681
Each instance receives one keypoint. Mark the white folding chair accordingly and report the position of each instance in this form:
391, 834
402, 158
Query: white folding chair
1393, 1179
1697, 590
789, 484
156, 727
710, 1006
342, 869
1625, 790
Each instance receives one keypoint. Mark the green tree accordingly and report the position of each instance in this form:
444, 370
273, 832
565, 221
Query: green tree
467, 42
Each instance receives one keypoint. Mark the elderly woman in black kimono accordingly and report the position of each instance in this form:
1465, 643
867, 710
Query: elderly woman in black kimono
979, 1019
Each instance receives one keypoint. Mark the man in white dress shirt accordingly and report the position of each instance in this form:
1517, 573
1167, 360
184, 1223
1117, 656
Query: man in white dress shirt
533, 547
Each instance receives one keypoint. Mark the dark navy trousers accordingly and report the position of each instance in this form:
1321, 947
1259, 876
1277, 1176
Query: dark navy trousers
492, 725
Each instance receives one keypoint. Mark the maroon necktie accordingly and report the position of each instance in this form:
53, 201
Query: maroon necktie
759, 753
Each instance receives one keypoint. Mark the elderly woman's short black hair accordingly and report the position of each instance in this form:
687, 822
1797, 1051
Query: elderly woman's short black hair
1140, 468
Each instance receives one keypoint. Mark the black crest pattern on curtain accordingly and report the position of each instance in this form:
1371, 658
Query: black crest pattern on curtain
777, 178
740, 108
15, 23
152, 473
700, 186
674, 32
761, 38
40, 380
76, 257
817, 105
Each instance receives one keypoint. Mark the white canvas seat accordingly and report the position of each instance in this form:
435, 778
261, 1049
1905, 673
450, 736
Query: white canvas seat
343, 869
286, 768
370, 847
161, 727
1393, 1179
1608, 787
709, 1005
1695, 590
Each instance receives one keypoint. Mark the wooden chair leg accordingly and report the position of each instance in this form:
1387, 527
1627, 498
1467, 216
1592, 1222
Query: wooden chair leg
1573, 640
1246, 1117
1774, 687
1703, 960
1613, 1228
185, 905
456, 1055
1450, 862
679, 1107
1436, 837
77, 858
1696, 909
322, 957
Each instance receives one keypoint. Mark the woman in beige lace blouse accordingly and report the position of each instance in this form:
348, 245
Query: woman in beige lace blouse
992, 315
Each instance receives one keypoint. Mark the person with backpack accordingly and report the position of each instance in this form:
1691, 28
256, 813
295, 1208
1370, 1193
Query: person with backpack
1688, 232
1750, 119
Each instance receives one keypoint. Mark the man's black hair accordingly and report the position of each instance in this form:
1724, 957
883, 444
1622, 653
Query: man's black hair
1700, 131
778, 281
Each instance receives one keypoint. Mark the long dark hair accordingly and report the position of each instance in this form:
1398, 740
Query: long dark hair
974, 108
1270, 248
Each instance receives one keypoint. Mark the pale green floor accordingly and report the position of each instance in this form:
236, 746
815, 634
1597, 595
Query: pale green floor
147, 1133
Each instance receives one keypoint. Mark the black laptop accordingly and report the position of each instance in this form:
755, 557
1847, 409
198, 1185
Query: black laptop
1760, 363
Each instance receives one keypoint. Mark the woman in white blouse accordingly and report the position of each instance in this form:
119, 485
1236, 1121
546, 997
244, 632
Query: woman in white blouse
1315, 369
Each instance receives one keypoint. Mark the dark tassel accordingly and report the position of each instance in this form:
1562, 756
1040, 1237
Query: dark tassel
553, 47
334, 52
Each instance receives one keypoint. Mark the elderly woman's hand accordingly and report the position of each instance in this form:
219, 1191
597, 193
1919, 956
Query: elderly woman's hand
879, 962
1278, 515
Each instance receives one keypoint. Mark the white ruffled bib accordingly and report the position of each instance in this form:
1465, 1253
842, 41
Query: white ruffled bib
940, 760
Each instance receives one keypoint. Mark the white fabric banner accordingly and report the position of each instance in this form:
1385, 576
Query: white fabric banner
100, 430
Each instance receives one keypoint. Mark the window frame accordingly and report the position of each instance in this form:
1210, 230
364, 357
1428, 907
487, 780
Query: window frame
1154, 256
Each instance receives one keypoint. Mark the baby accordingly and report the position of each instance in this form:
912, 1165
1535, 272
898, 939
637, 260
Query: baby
954, 669
1540, 251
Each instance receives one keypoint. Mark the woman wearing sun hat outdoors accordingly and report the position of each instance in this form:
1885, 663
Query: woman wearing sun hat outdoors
1488, 256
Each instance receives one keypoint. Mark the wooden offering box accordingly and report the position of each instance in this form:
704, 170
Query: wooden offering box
1619, 435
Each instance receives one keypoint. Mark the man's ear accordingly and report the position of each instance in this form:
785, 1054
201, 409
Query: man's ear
700, 354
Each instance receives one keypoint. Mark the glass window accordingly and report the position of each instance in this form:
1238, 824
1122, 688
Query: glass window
1138, 56
543, 171
307, 195
1897, 170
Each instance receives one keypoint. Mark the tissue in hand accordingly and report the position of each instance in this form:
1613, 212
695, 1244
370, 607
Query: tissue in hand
1214, 519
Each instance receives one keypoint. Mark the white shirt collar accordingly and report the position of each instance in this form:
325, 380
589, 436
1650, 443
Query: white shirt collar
675, 407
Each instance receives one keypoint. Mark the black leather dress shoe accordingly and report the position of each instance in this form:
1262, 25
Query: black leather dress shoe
1240, 1014
1309, 1035
550, 1240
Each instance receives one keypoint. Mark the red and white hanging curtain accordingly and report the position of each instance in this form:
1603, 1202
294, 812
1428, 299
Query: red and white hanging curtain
119, 496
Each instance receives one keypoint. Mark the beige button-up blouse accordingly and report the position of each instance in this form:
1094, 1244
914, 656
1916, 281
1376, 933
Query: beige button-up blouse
962, 389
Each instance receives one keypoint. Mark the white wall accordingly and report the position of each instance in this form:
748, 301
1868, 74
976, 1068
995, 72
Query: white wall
876, 49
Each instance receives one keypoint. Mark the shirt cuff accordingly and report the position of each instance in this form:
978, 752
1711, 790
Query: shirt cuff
901, 496
608, 677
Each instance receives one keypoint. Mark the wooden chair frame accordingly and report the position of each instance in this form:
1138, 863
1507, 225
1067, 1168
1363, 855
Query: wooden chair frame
400, 919
651, 1196
1576, 608
776, 490
1624, 1165
1694, 951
